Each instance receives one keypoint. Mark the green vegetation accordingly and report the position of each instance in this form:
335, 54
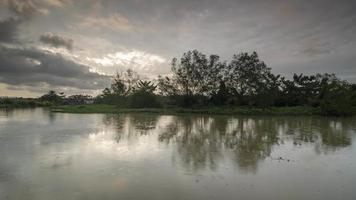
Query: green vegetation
204, 84
91, 108
7, 102
104, 108
200, 82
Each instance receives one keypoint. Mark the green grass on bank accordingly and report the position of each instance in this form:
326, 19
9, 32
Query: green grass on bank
102, 108
22, 103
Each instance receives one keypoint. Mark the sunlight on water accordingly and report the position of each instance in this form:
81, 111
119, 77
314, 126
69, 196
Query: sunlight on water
144, 156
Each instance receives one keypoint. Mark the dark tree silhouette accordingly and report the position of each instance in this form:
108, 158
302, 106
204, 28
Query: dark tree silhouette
198, 80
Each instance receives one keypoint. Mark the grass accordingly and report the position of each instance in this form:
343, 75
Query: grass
19, 106
24, 104
103, 108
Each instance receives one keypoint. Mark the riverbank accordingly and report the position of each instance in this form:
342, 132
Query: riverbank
10, 106
15, 103
103, 108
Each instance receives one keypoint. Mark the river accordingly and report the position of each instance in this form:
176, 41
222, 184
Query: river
50, 156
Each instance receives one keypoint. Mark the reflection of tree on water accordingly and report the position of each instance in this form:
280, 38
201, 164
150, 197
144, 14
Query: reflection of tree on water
202, 141
335, 134
251, 141
131, 126
329, 134
197, 143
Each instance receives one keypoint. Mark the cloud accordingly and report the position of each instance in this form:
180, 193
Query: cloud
314, 51
294, 36
56, 41
58, 3
139, 61
8, 30
26, 8
114, 22
133, 58
35, 68
30, 8
315, 48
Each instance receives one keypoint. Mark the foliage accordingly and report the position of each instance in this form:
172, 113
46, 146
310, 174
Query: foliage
246, 81
199, 81
339, 98
241, 110
22, 102
78, 99
246, 75
53, 97
196, 78
143, 95
121, 87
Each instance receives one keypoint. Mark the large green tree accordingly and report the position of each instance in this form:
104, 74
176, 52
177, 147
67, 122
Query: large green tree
247, 76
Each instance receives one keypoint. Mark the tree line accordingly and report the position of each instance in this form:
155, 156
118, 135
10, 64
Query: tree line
198, 80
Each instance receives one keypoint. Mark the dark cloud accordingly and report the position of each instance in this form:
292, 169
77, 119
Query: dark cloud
8, 30
291, 36
32, 67
56, 41
23, 11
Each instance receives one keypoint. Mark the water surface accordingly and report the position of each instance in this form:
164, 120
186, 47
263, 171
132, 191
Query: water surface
46, 155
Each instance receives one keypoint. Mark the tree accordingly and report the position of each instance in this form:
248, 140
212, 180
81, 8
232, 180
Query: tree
145, 86
106, 92
78, 99
195, 78
222, 95
200, 80
245, 75
53, 97
307, 89
124, 83
188, 72
121, 87
168, 86
143, 95
336, 97
268, 91
118, 86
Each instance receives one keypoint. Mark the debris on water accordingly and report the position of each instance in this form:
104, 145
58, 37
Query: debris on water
283, 159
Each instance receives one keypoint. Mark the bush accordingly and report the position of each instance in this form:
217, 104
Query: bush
143, 99
339, 101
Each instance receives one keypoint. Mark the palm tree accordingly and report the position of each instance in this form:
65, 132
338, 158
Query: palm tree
145, 86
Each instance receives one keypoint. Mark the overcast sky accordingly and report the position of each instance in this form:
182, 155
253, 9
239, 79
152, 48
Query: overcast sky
76, 45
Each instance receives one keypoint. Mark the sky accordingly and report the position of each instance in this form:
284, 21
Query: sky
75, 46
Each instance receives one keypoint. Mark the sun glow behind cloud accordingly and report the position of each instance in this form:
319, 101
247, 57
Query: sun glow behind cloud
111, 36
137, 60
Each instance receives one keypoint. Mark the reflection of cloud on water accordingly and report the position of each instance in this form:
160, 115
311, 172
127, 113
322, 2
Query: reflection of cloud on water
194, 142
204, 141
89, 155
119, 184
106, 143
